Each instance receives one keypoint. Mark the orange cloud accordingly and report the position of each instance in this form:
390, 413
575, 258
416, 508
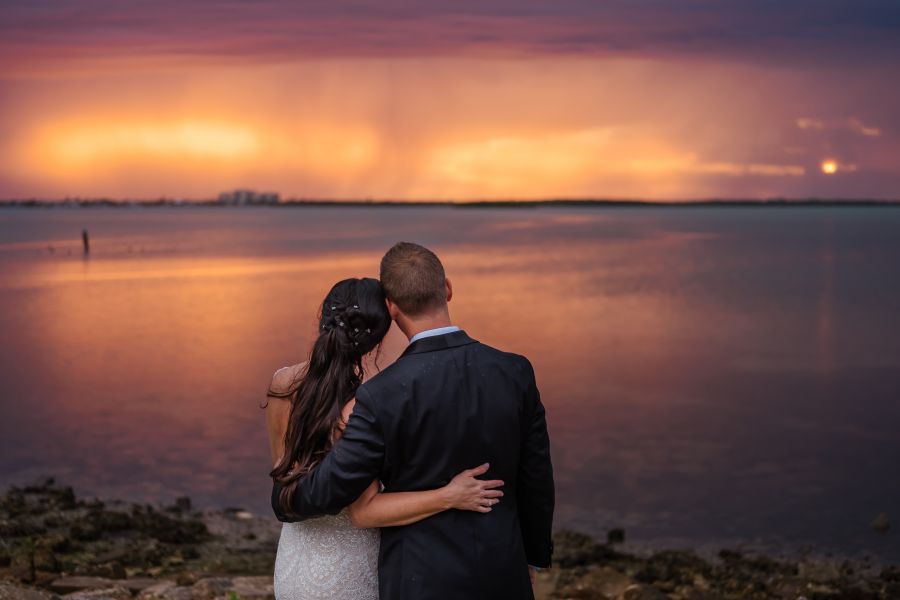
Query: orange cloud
431, 128
575, 163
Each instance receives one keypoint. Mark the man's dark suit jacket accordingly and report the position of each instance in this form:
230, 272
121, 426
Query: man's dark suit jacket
449, 403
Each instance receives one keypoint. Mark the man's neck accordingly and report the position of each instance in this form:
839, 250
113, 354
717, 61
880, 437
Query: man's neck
411, 327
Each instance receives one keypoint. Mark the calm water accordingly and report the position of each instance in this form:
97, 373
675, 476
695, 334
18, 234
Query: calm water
712, 376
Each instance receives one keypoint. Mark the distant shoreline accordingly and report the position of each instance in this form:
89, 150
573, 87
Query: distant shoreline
599, 203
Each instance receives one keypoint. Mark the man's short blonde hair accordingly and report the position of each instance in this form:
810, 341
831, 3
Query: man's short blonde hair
413, 278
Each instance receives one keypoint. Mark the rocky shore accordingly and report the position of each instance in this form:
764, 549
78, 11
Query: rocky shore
588, 569
54, 545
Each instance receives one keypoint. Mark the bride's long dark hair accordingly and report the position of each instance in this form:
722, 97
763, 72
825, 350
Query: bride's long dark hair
353, 321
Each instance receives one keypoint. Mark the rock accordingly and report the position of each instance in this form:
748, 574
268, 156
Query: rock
691, 593
157, 590
238, 514
21, 528
118, 554
670, 568
67, 585
57, 542
66, 498
165, 590
40, 484
253, 588
86, 532
615, 536
166, 529
178, 593
109, 570
188, 552
137, 584
45, 560
819, 590
111, 593
187, 578
207, 588
881, 524
819, 572
609, 582
10, 591
727, 554
210, 587
572, 549
23, 573
544, 585
792, 588
639, 591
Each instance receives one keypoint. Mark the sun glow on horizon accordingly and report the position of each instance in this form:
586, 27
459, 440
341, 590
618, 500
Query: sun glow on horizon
829, 167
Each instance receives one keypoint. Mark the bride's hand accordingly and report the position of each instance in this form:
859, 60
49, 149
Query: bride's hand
464, 492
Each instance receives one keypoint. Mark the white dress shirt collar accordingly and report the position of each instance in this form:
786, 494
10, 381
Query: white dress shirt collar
432, 332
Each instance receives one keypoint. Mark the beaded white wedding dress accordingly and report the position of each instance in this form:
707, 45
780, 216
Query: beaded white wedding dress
327, 558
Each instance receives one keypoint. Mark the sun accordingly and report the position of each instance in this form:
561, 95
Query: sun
829, 167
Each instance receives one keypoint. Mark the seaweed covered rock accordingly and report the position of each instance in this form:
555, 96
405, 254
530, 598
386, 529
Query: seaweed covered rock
110, 593
671, 568
11, 591
639, 591
573, 549
49, 534
66, 547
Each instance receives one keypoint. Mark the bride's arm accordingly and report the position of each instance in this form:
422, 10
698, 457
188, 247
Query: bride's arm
464, 492
279, 398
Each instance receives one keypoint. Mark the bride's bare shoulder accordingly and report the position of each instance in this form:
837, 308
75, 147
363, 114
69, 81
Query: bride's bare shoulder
285, 379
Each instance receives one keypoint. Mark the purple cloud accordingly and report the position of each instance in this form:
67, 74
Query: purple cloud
755, 30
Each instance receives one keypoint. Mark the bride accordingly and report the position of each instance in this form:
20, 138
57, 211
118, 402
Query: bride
336, 556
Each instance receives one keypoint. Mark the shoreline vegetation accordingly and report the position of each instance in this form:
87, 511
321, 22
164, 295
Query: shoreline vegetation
512, 203
54, 545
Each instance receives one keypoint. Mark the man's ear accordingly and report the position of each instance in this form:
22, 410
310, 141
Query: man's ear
449, 287
392, 309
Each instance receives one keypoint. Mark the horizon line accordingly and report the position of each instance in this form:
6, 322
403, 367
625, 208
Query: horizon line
212, 202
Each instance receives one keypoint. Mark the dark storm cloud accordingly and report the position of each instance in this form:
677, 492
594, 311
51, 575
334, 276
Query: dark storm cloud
750, 30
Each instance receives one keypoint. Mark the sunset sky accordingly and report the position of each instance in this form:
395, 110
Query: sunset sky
458, 99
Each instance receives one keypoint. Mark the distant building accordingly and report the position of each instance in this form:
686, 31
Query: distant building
244, 197
267, 198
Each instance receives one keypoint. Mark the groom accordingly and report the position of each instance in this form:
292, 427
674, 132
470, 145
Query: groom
448, 403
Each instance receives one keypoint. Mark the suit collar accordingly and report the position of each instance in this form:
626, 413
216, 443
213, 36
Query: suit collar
438, 342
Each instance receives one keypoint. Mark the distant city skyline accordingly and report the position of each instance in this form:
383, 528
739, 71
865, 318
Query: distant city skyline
512, 100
